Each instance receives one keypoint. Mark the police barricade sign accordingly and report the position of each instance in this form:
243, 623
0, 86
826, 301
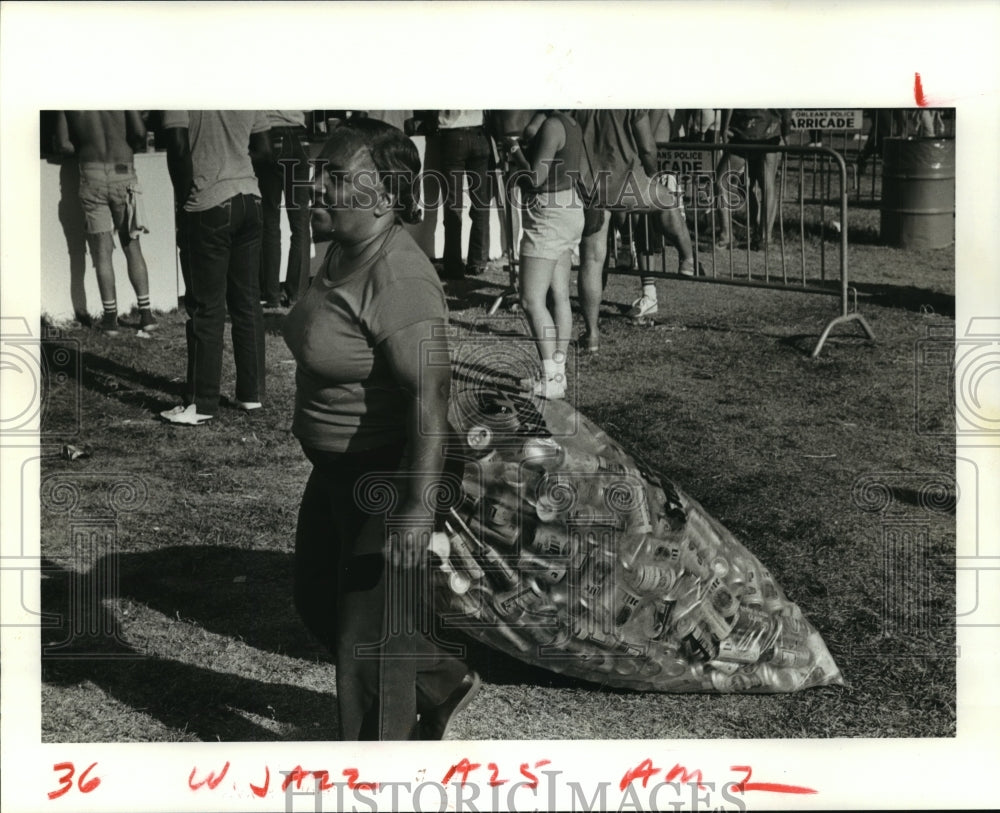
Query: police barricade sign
694, 170
826, 119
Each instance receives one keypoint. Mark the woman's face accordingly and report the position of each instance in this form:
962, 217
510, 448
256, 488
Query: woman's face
348, 202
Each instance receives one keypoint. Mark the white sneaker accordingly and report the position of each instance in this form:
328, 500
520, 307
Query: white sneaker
643, 306
186, 415
551, 389
247, 406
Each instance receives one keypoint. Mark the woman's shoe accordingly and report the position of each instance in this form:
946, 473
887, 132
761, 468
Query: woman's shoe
586, 345
434, 723
550, 388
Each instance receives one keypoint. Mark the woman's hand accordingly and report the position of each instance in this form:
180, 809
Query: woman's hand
410, 537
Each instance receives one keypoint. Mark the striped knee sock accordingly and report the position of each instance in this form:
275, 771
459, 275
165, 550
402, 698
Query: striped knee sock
144, 302
110, 307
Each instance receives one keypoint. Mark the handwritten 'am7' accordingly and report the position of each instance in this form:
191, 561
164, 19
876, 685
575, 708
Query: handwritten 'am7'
646, 770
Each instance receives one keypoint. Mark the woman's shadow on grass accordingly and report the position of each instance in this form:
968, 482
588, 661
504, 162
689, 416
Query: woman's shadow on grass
86, 639
247, 595
242, 595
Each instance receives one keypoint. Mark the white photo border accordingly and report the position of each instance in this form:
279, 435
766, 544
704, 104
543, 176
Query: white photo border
501, 55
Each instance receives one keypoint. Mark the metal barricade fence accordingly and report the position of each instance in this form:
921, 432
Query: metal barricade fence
767, 266
860, 140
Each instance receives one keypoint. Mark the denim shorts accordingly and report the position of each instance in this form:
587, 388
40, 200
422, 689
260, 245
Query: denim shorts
553, 224
106, 193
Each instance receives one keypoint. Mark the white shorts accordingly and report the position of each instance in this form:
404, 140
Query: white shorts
553, 224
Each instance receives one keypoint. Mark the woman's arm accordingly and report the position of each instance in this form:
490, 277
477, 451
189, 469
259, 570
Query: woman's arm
550, 139
411, 353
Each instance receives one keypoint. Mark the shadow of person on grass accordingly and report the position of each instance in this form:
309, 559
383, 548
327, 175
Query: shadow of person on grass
242, 595
471, 292
71, 219
110, 378
247, 595
86, 639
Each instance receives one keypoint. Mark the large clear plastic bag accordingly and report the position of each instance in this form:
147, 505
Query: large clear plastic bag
568, 554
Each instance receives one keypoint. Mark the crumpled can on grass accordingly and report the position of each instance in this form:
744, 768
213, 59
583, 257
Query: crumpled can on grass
567, 553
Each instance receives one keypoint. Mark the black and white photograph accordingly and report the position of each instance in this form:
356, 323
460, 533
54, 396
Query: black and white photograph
421, 446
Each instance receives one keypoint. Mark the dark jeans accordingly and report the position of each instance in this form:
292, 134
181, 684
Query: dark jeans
286, 175
341, 593
220, 261
465, 152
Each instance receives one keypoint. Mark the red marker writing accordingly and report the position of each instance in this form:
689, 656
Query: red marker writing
769, 787
918, 91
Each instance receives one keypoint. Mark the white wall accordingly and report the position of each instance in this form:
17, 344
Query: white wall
68, 279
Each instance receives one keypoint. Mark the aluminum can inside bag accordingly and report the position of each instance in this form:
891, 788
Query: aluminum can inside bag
571, 555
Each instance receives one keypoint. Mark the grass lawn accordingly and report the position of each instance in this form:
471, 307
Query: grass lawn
816, 465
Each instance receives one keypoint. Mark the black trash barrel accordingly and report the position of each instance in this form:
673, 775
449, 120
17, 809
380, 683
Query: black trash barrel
918, 192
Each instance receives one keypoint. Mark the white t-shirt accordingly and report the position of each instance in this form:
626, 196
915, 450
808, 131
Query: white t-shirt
452, 119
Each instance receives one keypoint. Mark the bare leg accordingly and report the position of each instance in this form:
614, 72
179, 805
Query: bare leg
536, 277
667, 199
561, 311
763, 170
770, 193
676, 231
755, 193
593, 253
100, 253
728, 196
136, 263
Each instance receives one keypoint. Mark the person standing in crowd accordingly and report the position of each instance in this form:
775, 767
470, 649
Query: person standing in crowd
752, 127
210, 157
643, 228
618, 169
697, 124
889, 122
367, 405
284, 173
103, 141
503, 126
553, 226
465, 153
886, 122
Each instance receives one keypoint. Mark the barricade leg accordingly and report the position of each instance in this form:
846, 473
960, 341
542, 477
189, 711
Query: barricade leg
510, 295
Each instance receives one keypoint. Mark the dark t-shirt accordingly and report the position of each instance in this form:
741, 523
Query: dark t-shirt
610, 161
346, 397
755, 125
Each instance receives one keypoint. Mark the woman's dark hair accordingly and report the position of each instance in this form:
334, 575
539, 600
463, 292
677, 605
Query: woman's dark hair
395, 158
